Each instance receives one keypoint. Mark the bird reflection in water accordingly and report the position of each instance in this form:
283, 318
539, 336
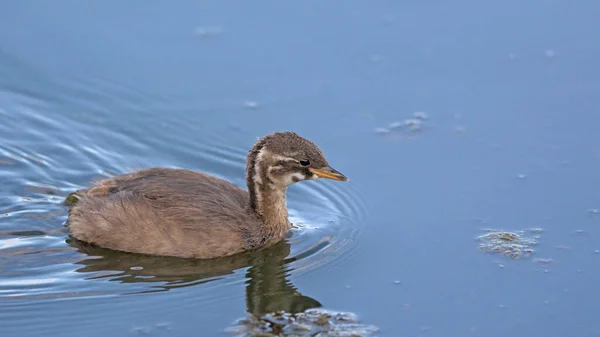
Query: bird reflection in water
268, 289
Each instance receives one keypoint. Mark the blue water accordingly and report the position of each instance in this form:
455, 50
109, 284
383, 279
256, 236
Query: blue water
511, 92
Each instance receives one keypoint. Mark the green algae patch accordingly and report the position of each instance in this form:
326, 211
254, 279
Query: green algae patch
515, 245
312, 322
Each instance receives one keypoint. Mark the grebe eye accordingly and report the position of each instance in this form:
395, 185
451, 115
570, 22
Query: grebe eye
304, 162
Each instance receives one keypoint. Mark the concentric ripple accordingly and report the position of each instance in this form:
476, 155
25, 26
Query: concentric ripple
53, 146
330, 217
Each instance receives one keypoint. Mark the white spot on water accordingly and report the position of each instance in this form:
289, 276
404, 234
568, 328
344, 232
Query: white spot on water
251, 105
412, 122
460, 129
395, 125
420, 115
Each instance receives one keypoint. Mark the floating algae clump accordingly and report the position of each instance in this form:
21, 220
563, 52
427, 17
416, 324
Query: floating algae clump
312, 322
514, 245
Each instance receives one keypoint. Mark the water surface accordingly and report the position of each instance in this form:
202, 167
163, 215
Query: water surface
509, 141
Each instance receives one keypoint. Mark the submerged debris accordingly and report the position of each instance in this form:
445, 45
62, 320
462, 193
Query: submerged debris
312, 322
395, 125
420, 115
409, 125
514, 245
147, 330
543, 260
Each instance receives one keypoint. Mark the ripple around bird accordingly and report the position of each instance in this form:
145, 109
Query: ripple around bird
52, 147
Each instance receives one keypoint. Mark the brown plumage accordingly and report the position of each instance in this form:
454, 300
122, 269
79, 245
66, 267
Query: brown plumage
177, 212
